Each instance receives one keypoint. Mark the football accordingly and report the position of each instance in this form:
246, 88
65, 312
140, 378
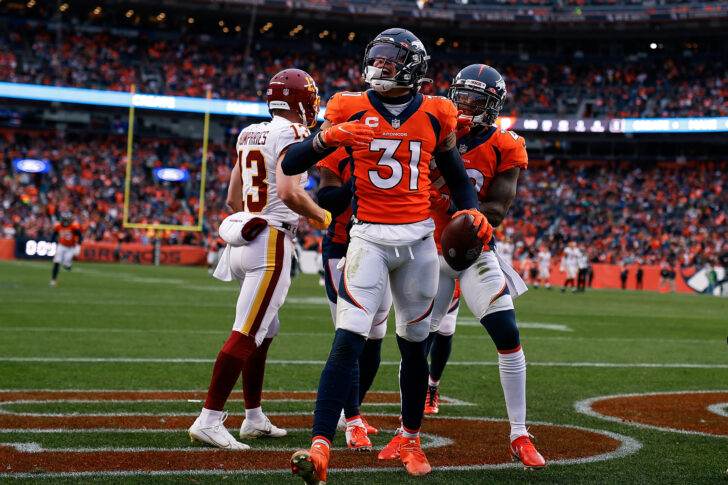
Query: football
460, 243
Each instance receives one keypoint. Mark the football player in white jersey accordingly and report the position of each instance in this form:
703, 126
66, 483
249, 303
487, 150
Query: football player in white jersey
259, 237
570, 264
544, 272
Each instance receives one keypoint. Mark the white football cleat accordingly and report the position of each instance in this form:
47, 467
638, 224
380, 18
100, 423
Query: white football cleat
341, 425
258, 430
215, 435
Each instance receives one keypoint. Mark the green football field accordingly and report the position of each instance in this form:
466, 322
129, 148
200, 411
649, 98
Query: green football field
109, 327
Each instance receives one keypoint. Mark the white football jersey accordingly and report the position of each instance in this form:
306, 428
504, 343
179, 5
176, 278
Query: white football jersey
506, 250
544, 258
259, 147
571, 256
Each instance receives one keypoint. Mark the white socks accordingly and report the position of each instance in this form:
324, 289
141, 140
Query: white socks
209, 417
512, 369
255, 414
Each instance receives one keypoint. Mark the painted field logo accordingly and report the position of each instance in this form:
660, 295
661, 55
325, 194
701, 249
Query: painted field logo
691, 412
38, 439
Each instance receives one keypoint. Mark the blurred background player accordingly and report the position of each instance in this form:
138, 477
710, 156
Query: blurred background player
570, 265
258, 254
334, 195
505, 249
68, 234
543, 261
494, 158
583, 265
391, 238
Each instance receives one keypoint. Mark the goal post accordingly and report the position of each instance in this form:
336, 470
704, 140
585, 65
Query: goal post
127, 183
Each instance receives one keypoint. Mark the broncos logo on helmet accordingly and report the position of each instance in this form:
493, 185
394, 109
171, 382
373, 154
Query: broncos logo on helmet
480, 92
405, 51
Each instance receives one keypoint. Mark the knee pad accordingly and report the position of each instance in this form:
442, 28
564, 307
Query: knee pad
502, 328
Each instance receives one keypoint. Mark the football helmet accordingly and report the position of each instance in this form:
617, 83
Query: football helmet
402, 48
295, 90
479, 91
66, 218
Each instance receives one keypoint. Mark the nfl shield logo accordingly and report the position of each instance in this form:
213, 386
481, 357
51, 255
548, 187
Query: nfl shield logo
462, 148
395, 124
285, 92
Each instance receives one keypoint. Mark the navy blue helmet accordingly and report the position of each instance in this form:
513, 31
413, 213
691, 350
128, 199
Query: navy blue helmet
479, 91
401, 49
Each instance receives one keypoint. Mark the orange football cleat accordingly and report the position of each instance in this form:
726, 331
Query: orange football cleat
357, 439
391, 451
370, 429
311, 465
432, 405
522, 449
413, 458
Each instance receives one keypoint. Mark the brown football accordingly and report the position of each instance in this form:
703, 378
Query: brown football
460, 243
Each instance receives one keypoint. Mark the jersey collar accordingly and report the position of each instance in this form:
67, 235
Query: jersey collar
466, 144
377, 103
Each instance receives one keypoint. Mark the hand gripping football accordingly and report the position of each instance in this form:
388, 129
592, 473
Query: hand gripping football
460, 243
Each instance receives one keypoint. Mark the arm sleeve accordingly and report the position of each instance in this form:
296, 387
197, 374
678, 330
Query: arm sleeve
452, 169
301, 156
335, 199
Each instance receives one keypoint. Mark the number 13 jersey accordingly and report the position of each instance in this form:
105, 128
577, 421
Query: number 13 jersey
391, 175
259, 146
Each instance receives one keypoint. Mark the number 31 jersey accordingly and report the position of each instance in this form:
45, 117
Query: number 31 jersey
259, 147
391, 175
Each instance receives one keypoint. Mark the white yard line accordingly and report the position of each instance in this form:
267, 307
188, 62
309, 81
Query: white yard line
143, 360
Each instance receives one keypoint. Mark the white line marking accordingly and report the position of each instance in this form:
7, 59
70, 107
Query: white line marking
628, 446
597, 340
143, 360
721, 409
471, 322
585, 407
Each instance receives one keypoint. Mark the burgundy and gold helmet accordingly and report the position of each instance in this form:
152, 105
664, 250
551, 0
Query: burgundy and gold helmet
295, 90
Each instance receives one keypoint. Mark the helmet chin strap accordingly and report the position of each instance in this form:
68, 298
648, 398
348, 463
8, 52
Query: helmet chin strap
303, 114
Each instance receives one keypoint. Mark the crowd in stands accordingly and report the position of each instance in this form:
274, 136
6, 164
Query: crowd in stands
624, 214
619, 213
651, 86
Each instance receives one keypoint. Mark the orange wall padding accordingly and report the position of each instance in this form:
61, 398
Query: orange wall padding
7, 249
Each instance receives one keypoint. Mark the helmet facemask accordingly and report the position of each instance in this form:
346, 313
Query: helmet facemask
399, 66
479, 105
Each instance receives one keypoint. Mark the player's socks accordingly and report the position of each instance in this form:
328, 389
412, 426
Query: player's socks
56, 267
511, 365
210, 417
368, 366
255, 414
430, 341
413, 373
335, 382
227, 367
512, 369
439, 355
254, 373
351, 407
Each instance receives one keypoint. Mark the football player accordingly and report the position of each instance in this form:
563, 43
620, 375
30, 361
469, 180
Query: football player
68, 234
570, 265
258, 253
400, 131
213, 250
544, 267
493, 159
335, 195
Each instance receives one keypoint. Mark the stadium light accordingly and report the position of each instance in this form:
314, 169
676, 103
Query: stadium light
97, 10
63, 7
30, 4
191, 20
129, 13
653, 46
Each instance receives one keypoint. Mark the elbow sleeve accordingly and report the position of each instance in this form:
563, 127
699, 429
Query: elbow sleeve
453, 171
301, 156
